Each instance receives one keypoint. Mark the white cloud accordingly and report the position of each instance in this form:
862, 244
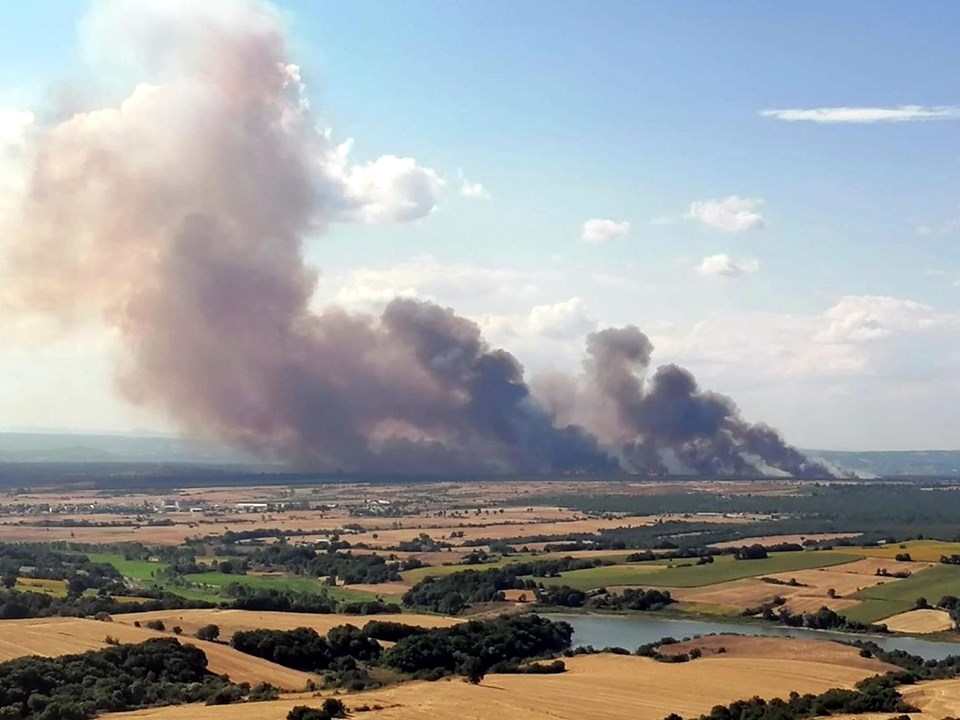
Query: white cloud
868, 318
725, 266
868, 372
561, 320
388, 189
730, 214
472, 190
903, 113
14, 125
598, 230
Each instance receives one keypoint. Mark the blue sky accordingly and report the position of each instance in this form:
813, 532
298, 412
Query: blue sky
830, 310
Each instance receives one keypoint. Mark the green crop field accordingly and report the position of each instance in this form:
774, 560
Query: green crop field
140, 570
724, 568
898, 596
217, 581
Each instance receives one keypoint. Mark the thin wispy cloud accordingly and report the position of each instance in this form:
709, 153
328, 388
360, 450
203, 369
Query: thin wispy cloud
473, 190
836, 115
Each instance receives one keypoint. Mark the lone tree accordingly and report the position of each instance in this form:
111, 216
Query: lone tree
208, 632
473, 670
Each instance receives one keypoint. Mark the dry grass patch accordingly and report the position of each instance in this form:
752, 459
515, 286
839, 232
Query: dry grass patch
51, 637
749, 592
612, 686
823, 652
230, 621
919, 621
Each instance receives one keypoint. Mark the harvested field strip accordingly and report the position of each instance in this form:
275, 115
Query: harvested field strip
63, 636
614, 687
923, 550
896, 597
57, 588
724, 569
230, 621
919, 621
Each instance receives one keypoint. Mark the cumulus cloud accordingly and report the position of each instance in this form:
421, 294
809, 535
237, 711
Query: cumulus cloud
472, 190
730, 214
902, 113
598, 230
388, 189
723, 265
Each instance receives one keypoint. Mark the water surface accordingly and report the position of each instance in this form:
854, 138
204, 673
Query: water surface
632, 631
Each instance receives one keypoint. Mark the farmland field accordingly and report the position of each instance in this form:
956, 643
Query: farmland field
616, 687
230, 621
919, 621
61, 636
896, 597
723, 569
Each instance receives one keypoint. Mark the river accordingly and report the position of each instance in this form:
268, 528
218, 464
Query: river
632, 631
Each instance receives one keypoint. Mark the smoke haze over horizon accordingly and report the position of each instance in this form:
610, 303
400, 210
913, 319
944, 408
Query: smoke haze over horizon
179, 217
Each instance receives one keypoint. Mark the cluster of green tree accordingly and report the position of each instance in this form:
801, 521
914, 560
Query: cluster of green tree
423, 543
951, 603
822, 619
632, 599
451, 594
246, 597
629, 599
37, 560
560, 595
950, 559
304, 560
391, 631
368, 607
875, 695
16, 604
473, 647
160, 671
331, 708
554, 667
304, 648
751, 552
915, 667
706, 554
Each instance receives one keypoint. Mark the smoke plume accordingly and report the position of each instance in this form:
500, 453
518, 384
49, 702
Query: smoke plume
179, 214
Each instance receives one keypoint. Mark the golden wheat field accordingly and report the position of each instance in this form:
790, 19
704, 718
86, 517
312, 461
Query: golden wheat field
65, 636
612, 686
919, 621
230, 621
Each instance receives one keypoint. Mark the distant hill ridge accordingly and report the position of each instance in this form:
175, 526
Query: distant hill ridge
38, 447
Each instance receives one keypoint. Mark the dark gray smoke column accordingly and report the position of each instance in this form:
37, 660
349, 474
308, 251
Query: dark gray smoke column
702, 429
